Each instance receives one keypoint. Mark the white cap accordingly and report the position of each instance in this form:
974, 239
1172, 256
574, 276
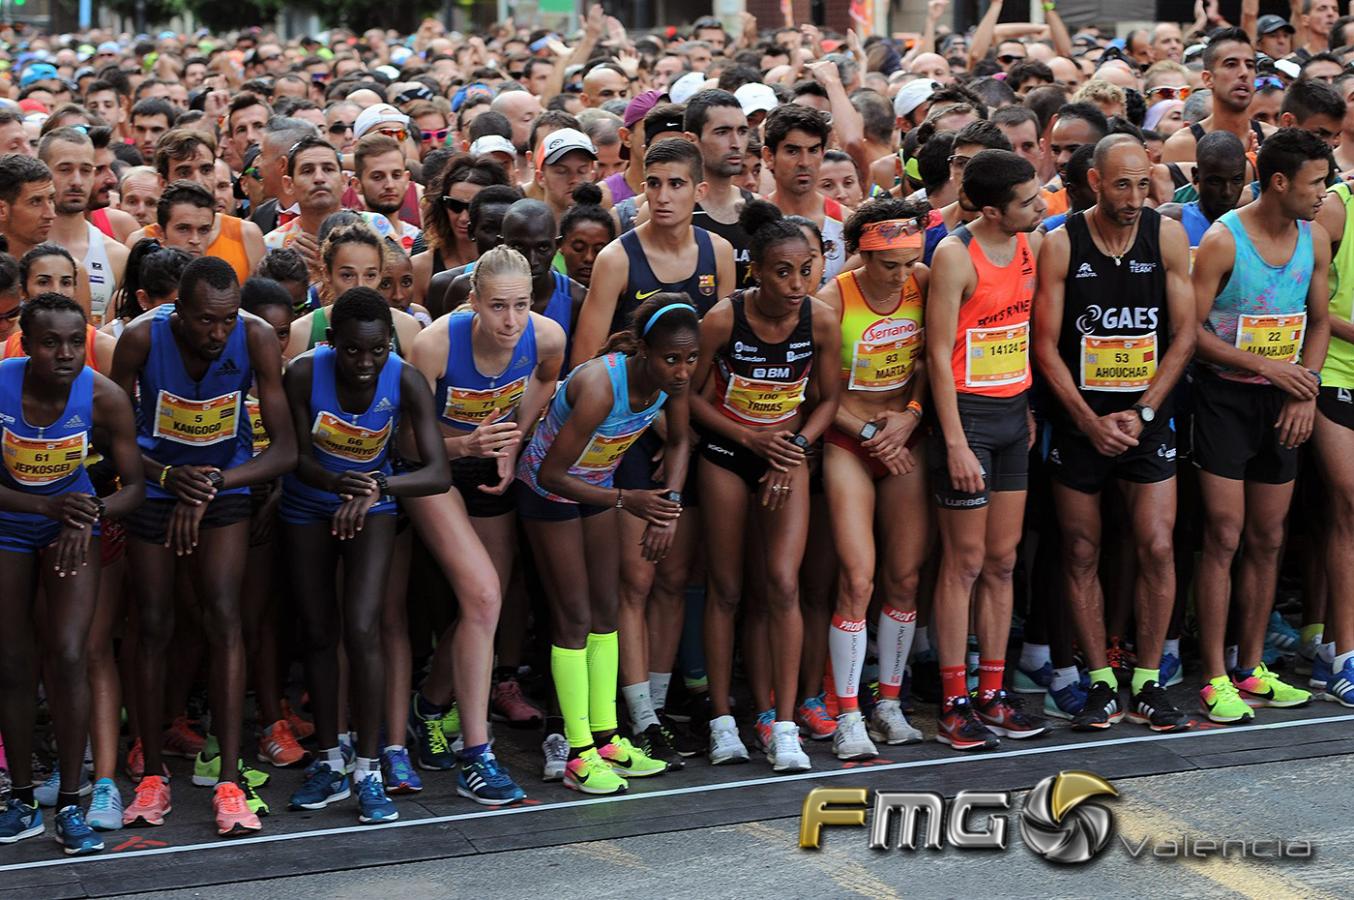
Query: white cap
913, 94
756, 97
683, 88
493, 143
565, 140
378, 114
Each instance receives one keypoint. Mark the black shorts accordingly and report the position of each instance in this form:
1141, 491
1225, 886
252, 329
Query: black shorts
531, 505
1074, 462
151, 520
722, 452
1234, 433
467, 474
1337, 404
637, 468
998, 432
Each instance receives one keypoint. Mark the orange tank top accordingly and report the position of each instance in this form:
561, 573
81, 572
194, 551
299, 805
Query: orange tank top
229, 244
991, 353
14, 349
879, 349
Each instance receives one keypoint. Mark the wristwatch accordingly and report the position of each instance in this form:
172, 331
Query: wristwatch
868, 431
1145, 412
1317, 374
801, 442
381, 484
673, 497
218, 481
102, 507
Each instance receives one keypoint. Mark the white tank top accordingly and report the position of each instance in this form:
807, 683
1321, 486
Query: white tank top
102, 279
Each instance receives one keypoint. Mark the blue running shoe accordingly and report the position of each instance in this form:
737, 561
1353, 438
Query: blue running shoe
1280, 635
105, 807
485, 783
19, 821
1032, 681
373, 805
323, 786
400, 774
1321, 673
45, 793
1065, 702
1170, 670
1340, 688
74, 834
1272, 656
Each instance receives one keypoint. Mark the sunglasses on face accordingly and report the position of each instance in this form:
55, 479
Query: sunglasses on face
1170, 93
341, 128
1268, 81
439, 135
12, 314
517, 76
456, 207
1008, 59
959, 161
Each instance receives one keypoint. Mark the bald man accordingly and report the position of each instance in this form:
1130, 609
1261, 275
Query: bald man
1114, 325
1168, 42
932, 66
521, 109
605, 83
1066, 72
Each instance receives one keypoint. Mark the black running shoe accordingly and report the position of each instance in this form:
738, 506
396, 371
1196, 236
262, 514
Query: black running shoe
658, 743
682, 737
1151, 707
1102, 708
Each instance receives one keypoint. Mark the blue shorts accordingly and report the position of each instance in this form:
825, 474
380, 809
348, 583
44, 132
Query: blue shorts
29, 532
309, 509
531, 505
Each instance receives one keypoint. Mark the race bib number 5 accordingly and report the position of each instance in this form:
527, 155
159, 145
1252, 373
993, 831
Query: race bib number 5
197, 423
997, 356
1118, 363
36, 462
1273, 337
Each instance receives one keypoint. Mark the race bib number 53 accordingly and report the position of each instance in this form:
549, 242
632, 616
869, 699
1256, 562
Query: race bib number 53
197, 423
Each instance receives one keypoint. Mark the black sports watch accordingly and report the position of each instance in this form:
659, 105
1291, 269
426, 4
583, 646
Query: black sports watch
218, 481
1145, 412
868, 431
382, 485
801, 442
101, 506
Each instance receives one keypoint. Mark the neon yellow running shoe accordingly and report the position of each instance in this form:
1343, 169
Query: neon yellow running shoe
629, 760
588, 773
1223, 702
1263, 688
207, 768
451, 722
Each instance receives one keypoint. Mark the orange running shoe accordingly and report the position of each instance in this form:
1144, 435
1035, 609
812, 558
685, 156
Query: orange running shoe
180, 739
151, 804
278, 746
299, 726
233, 816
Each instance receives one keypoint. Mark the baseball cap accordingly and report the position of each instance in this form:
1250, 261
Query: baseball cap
913, 94
685, 87
413, 91
639, 106
566, 140
109, 47
492, 143
378, 114
38, 72
756, 97
1271, 23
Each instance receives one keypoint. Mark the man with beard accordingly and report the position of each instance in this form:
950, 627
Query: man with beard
69, 153
1076, 125
1229, 72
715, 122
383, 178
113, 222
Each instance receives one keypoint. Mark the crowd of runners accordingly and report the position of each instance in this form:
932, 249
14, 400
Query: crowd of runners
674, 394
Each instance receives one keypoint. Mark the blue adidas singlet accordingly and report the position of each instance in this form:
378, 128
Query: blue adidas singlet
343, 441
466, 398
1195, 222
181, 422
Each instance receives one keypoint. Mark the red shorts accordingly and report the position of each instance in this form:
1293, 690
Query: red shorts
851, 444
112, 541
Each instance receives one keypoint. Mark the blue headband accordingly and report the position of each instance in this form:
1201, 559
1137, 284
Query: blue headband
656, 316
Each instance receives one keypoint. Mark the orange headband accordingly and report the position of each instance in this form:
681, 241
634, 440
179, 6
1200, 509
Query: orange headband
891, 234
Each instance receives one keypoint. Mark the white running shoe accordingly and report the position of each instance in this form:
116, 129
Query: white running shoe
725, 744
888, 724
849, 741
556, 750
786, 753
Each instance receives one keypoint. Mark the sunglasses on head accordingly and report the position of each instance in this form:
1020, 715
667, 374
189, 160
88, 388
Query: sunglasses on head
455, 206
439, 135
398, 134
1268, 81
1170, 93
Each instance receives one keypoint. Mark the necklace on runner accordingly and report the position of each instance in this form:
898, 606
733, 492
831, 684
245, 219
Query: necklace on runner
1117, 257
